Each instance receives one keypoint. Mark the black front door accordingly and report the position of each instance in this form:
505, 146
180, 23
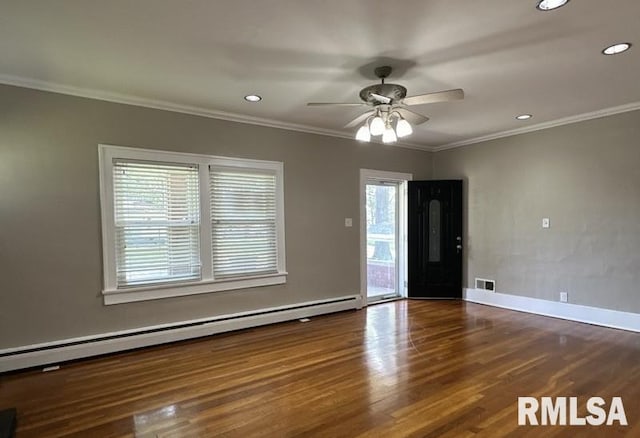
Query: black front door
435, 239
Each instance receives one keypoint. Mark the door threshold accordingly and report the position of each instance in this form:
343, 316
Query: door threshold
384, 300
436, 298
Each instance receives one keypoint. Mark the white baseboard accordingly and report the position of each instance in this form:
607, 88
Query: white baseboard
573, 312
69, 349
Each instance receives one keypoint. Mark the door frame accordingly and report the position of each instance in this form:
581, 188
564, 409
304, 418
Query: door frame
401, 179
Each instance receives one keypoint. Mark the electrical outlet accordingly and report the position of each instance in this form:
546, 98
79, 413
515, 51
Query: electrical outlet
563, 297
546, 223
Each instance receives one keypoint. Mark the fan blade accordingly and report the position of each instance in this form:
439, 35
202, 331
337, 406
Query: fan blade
361, 118
412, 117
382, 99
333, 104
440, 96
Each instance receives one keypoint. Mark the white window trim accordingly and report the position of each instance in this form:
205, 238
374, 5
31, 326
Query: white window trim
208, 284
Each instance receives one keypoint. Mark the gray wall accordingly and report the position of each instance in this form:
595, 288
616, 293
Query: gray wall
50, 250
586, 178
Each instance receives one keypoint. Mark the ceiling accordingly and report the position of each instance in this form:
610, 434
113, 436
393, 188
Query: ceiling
203, 56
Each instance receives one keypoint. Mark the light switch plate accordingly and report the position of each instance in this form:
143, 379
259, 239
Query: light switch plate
564, 297
348, 222
546, 223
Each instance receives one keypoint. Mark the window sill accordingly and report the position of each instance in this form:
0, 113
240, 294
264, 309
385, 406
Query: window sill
129, 295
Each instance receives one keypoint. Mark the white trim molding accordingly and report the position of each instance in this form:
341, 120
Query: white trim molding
127, 99
131, 295
572, 312
540, 126
87, 346
164, 105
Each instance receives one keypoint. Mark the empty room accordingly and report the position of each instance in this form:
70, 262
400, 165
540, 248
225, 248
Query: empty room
320, 219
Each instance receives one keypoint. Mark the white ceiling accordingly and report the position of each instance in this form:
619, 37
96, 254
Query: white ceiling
205, 55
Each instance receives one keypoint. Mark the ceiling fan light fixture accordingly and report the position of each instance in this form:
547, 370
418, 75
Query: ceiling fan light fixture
377, 126
550, 5
363, 134
389, 135
403, 128
614, 49
388, 105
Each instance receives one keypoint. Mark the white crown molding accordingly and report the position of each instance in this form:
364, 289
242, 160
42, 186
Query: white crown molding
127, 99
540, 126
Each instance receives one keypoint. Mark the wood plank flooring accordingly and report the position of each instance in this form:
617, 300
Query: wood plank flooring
399, 369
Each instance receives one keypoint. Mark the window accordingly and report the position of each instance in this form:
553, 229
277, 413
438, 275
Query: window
157, 222
243, 222
434, 231
179, 224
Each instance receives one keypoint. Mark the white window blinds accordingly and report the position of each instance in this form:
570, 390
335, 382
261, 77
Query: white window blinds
157, 221
243, 222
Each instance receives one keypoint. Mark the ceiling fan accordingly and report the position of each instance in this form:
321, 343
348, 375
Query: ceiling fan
390, 104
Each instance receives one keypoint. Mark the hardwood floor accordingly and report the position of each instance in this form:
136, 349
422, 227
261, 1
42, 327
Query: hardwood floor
406, 368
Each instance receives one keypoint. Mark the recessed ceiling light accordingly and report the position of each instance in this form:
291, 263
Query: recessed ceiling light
524, 117
253, 98
550, 5
617, 48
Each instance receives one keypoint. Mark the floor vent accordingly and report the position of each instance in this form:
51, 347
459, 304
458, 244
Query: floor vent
483, 283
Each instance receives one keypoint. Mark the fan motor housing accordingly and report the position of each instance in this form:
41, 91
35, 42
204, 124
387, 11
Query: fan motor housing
394, 92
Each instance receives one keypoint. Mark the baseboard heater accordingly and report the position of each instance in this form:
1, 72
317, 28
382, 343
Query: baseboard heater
65, 350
